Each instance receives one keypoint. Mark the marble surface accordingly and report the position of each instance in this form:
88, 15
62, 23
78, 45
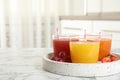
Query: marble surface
26, 64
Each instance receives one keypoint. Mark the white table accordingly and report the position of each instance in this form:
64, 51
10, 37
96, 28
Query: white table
26, 64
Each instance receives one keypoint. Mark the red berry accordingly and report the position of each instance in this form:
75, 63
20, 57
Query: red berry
113, 58
57, 59
109, 58
106, 59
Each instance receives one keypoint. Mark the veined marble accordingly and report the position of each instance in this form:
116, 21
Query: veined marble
26, 64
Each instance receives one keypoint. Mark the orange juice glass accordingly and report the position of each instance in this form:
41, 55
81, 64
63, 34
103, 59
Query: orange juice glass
84, 51
105, 45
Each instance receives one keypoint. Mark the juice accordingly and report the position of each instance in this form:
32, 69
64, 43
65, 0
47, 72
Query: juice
84, 52
105, 48
62, 46
105, 44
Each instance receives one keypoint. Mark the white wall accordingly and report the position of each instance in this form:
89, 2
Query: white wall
77, 7
111, 5
71, 7
93, 6
103, 6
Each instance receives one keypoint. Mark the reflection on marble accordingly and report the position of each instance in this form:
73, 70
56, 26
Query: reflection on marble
27, 65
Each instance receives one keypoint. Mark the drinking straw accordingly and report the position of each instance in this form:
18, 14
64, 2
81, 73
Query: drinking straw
57, 32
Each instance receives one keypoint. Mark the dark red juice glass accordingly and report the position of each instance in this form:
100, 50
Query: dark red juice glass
61, 46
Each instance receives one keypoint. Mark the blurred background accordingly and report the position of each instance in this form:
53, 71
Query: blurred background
31, 23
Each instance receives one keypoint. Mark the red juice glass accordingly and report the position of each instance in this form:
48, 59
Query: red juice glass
61, 46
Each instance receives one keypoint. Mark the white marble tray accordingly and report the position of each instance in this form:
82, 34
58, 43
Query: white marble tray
84, 70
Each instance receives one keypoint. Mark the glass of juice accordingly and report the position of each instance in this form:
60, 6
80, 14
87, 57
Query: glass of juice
105, 45
61, 46
84, 51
